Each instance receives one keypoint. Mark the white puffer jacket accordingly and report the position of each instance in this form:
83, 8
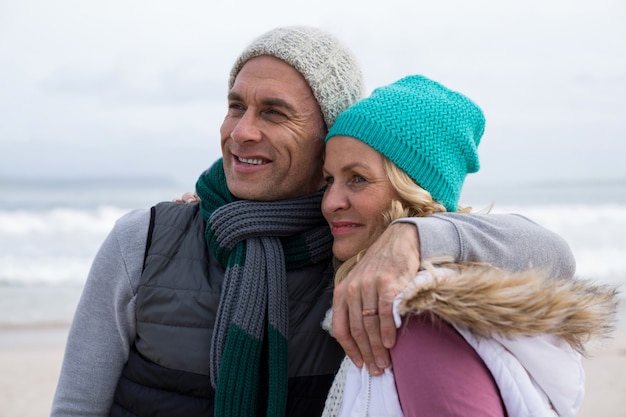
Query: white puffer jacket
528, 329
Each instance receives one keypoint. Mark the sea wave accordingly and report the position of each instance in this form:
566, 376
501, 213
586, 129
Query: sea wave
57, 245
57, 220
45, 254
54, 246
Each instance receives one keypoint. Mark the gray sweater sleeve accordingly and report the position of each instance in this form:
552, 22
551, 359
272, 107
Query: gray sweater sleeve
103, 328
509, 241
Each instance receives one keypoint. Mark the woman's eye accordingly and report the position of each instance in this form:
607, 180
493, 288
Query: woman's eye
329, 180
358, 179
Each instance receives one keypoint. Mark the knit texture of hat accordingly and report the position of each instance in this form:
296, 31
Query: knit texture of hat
426, 129
330, 69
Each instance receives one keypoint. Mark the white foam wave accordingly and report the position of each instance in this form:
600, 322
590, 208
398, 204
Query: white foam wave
57, 220
53, 246
58, 245
44, 270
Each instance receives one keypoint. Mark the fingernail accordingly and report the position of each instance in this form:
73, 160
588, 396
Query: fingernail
381, 363
374, 370
388, 343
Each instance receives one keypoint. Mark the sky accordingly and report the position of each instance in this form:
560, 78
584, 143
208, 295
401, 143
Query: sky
117, 88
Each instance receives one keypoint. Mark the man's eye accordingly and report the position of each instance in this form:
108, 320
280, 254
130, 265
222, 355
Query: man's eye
275, 115
236, 108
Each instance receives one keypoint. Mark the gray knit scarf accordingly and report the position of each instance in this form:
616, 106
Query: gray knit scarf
257, 242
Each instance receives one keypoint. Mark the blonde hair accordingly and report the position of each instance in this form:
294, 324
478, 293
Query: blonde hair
414, 202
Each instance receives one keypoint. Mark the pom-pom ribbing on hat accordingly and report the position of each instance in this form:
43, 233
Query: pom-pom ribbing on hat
330, 68
426, 129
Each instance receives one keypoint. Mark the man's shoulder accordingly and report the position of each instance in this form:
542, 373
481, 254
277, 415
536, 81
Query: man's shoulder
134, 229
133, 222
174, 213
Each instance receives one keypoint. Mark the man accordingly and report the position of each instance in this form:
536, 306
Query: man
215, 308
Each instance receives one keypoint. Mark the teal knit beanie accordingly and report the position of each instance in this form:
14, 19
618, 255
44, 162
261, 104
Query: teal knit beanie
426, 129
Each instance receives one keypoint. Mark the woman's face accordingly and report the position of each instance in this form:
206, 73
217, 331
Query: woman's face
358, 192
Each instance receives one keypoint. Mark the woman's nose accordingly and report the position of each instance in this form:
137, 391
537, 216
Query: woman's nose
334, 199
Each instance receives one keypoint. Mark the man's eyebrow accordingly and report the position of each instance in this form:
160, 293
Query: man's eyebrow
278, 102
268, 101
234, 96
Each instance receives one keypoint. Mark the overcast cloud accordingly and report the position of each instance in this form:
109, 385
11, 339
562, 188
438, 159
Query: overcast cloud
137, 87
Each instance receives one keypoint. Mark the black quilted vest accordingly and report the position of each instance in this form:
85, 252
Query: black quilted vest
167, 373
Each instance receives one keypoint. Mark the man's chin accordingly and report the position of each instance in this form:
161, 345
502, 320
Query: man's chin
259, 190
244, 193
246, 190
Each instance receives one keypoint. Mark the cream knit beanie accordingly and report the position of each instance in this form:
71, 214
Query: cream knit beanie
330, 69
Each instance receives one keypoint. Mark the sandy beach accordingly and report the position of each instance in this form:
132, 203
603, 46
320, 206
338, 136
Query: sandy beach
30, 361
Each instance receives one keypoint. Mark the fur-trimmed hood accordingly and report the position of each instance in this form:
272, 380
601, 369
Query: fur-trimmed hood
486, 301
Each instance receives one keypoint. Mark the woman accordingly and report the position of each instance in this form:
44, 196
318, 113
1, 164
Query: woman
475, 340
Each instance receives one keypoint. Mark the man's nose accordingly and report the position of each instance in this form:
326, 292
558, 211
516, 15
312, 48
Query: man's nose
247, 129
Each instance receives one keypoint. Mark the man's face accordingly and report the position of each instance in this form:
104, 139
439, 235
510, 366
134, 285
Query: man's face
273, 134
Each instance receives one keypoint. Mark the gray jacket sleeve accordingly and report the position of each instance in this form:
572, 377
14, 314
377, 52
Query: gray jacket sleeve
103, 328
509, 241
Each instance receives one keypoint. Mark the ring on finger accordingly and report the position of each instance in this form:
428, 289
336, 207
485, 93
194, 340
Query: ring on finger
368, 312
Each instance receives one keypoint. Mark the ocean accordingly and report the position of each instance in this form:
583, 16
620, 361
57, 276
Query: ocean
50, 231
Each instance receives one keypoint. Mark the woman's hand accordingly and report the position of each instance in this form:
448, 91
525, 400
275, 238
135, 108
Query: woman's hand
188, 197
362, 303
